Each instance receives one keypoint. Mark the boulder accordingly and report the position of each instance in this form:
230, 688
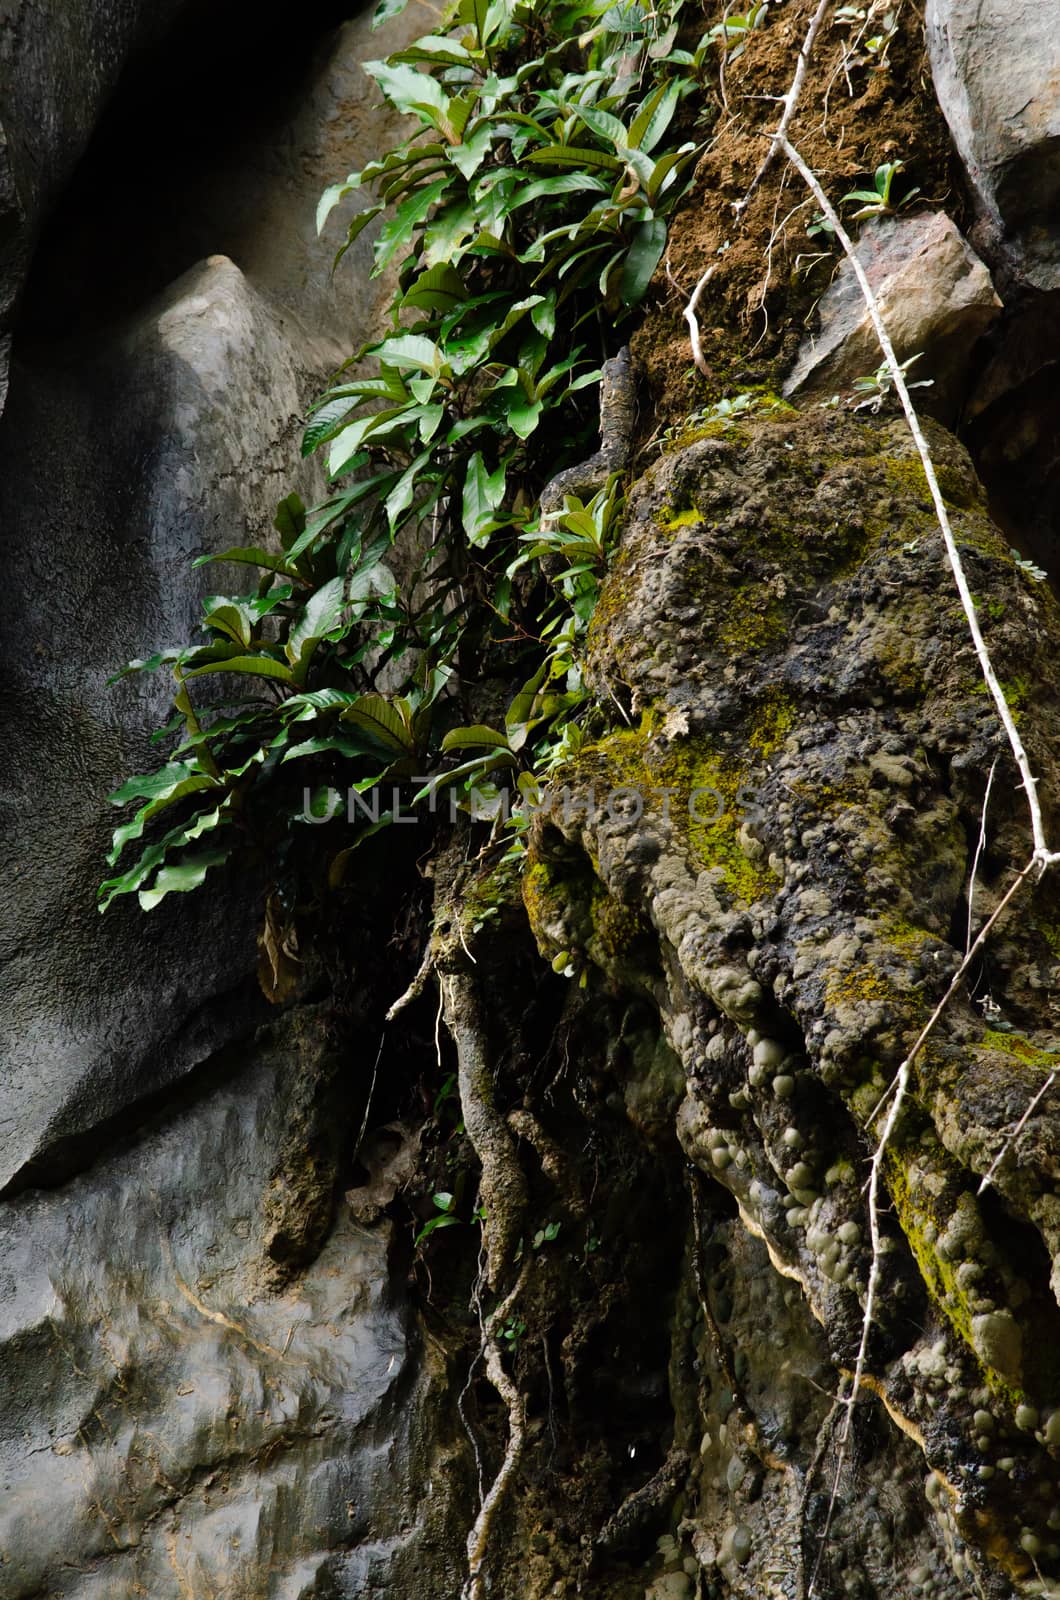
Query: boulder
996, 66
936, 298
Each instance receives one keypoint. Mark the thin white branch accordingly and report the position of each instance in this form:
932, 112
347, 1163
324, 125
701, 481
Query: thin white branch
899, 1088
979, 848
693, 325
1043, 856
790, 101
1017, 1130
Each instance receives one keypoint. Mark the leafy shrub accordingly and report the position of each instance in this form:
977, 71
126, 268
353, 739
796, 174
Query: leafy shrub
527, 214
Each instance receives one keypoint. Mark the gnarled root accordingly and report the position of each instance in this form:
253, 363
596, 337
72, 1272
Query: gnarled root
478, 1538
503, 1186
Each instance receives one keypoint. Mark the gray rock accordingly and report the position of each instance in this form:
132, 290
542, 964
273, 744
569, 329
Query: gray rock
168, 1426
936, 298
177, 437
996, 66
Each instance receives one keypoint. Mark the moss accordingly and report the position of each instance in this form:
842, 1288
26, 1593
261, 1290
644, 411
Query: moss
753, 619
907, 476
773, 720
861, 984
701, 789
1018, 692
617, 929
682, 519
547, 900
1049, 928
1015, 1044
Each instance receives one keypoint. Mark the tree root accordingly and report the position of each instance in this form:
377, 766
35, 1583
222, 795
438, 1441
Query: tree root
478, 1538
503, 1186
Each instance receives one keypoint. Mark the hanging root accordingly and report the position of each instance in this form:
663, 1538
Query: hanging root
503, 1185
478, 1538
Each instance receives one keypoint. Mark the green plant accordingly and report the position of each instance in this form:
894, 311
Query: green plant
1028, 568
525, 216
445, 1207
878, 201
731, 33
877, 388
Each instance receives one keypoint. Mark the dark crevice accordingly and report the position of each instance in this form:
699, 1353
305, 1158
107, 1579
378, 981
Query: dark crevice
143, 205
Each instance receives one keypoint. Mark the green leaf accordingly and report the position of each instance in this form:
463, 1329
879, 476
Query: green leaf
412, 350
395, 235
378, 717
440, 288
469, 155
325, 424
644, 254
254, 666
321, 614
483, 494
289, 520
437, 51
252, 556
179, 879
405, 88
605, 126
566, 155
357, 226
331, 197
524, 415
478, 736
386, 10
184, 833
403, 493
655, 116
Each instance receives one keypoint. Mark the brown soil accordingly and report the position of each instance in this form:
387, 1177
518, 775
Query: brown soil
754, 311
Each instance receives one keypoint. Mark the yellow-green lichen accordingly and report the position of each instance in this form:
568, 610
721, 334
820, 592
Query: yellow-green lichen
753, 619
1015, 1044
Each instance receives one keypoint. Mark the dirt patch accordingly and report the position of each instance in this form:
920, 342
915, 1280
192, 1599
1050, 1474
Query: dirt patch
754, 311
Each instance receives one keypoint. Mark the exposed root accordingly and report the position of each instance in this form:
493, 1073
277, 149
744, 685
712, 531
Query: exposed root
478, 1538
689, 315
554, 1161
503, 1185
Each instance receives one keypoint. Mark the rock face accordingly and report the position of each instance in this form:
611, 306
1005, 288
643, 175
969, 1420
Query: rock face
782, 617
150, 476
59, 64
173, 1425
996, 68
937, 301
171, 431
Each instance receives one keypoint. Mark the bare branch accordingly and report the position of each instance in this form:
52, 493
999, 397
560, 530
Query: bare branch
791, 100
1043, 856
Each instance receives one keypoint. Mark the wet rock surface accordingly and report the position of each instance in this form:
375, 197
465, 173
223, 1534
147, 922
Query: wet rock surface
171, 1425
